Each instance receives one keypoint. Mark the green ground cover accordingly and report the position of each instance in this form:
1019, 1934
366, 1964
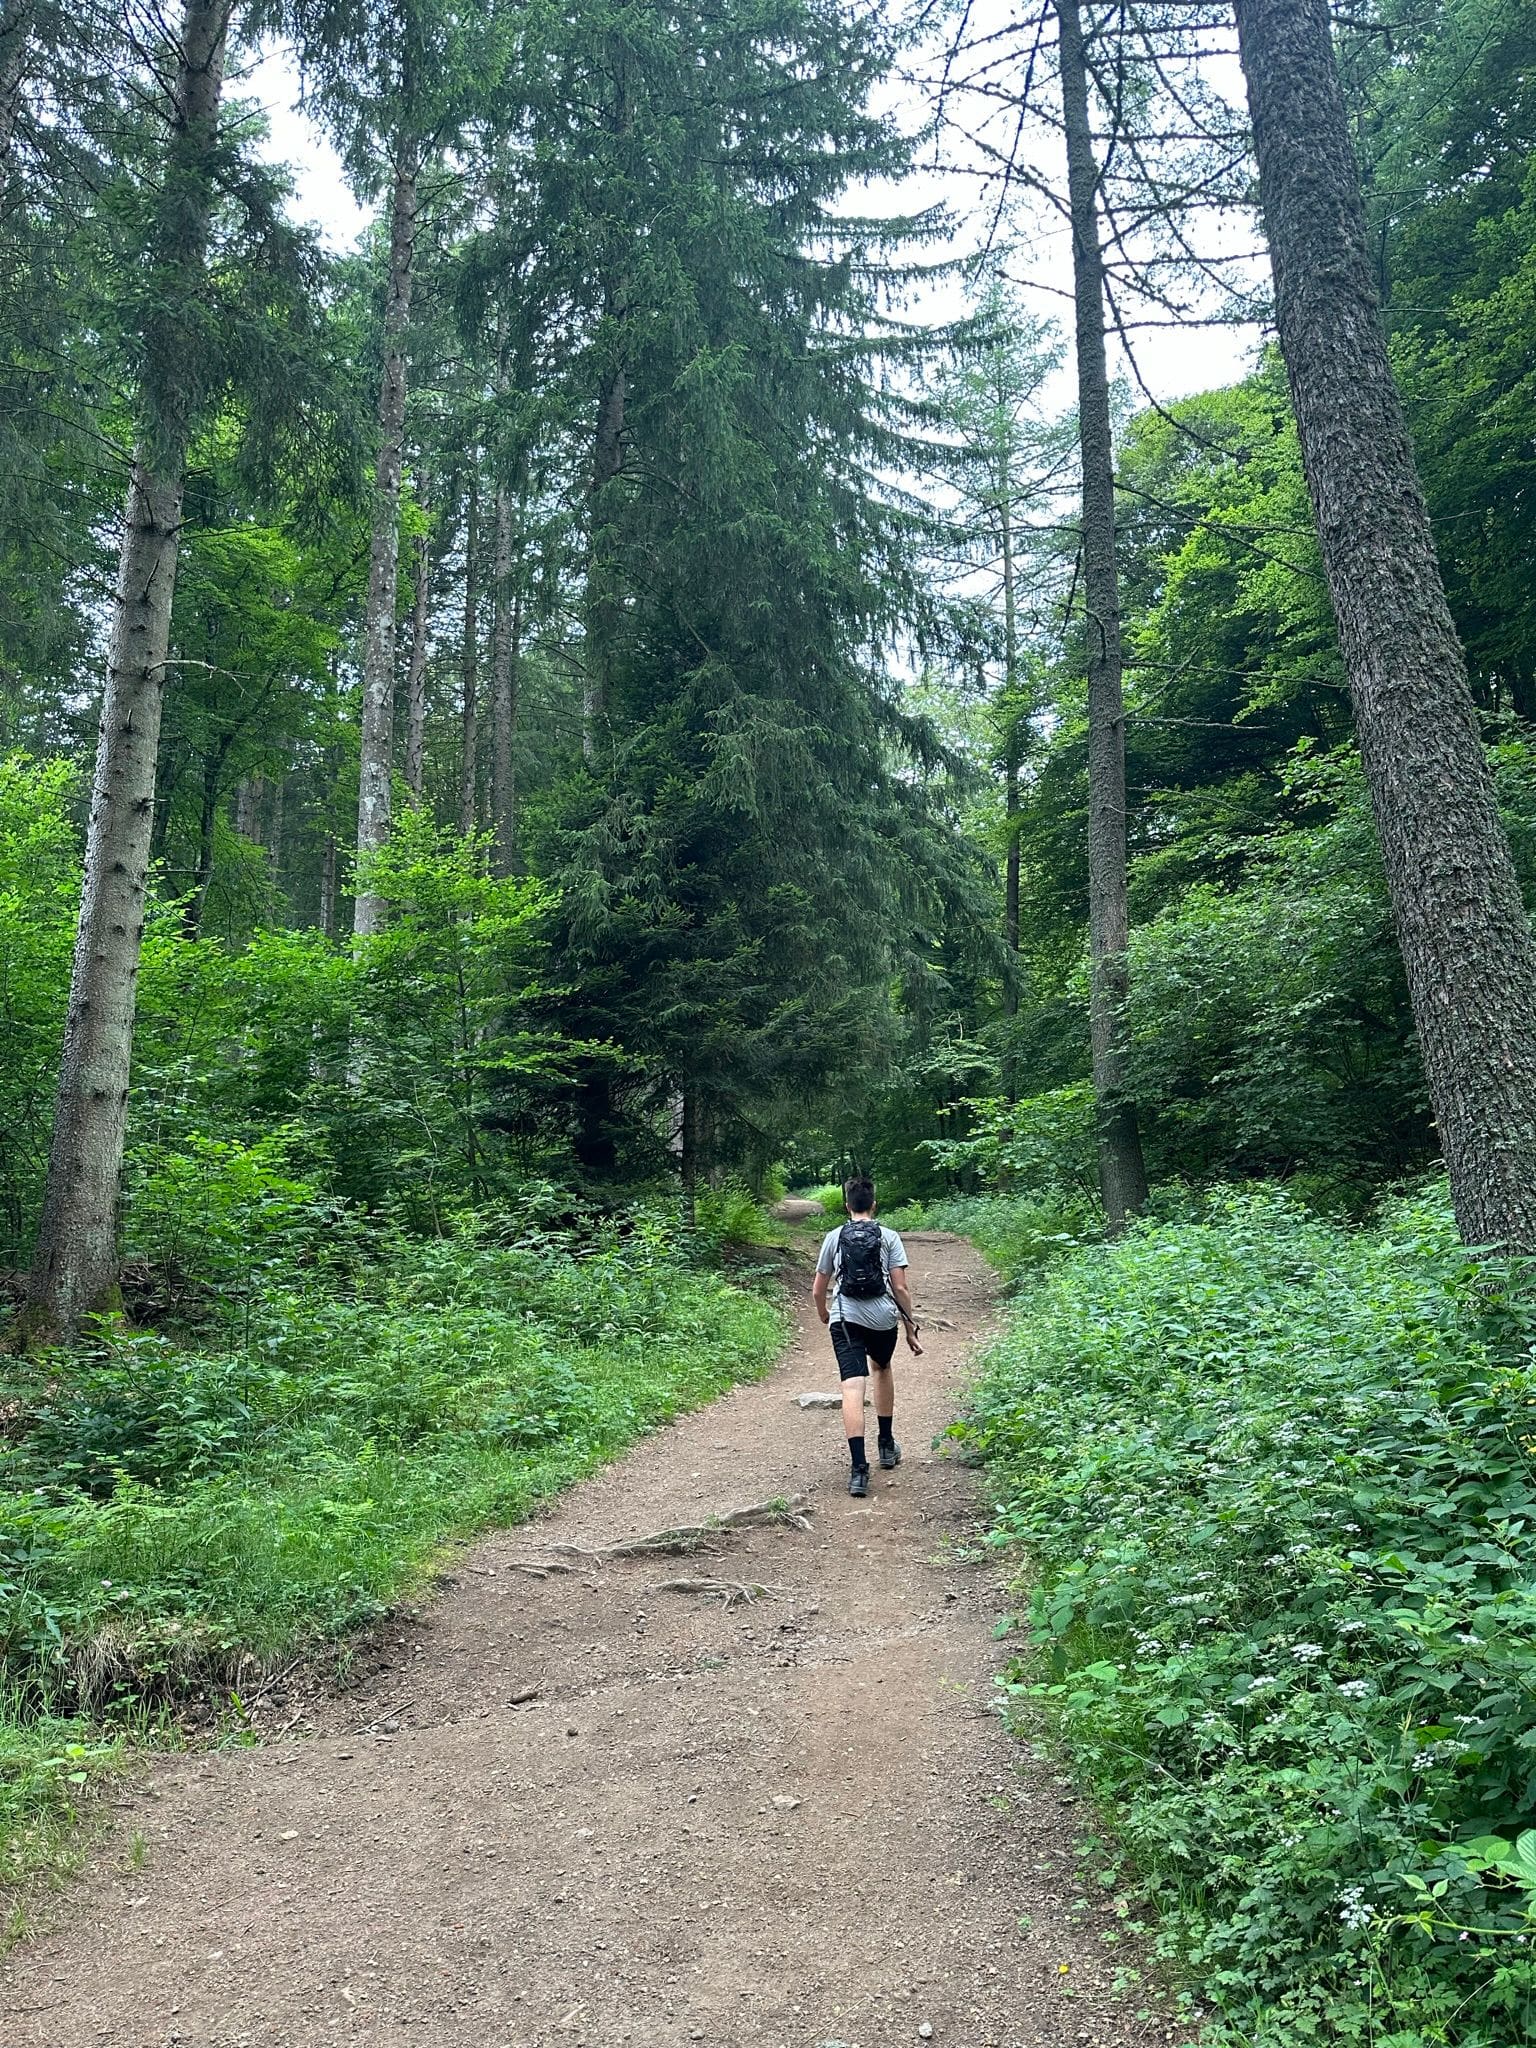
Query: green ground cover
1276, 1485
177, 1513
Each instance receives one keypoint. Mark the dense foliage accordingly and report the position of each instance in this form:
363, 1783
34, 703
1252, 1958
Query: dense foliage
182, 1512
1277, 1484
707, 634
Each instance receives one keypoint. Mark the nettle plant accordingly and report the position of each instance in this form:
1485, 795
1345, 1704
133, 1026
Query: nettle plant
1279, 1483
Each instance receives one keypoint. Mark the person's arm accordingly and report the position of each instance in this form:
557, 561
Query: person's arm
824, 1264
903, 1293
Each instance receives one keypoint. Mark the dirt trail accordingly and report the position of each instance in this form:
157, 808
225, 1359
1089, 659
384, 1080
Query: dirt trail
788, 1824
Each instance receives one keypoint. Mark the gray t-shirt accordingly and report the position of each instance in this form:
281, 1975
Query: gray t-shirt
878, 1313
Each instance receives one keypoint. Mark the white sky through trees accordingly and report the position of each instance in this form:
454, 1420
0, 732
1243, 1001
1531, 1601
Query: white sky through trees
1173, 361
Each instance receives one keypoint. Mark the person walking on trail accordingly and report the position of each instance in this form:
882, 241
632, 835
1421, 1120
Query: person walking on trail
865, 1266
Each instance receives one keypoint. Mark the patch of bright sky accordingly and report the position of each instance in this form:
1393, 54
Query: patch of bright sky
322, 196
1172, 361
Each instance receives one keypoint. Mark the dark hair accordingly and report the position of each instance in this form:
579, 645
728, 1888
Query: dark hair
859, 1193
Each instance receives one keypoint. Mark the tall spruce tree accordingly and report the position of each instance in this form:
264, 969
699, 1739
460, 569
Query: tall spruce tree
748, 859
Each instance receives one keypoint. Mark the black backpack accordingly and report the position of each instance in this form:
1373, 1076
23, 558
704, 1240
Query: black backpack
861, 1261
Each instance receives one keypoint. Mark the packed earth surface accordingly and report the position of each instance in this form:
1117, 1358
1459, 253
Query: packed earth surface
618, 1804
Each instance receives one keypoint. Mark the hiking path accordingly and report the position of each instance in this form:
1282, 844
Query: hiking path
582, 1811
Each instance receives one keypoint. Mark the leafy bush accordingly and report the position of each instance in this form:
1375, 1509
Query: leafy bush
1017, 1233
1277, 1483
731, 1214
1040, 1142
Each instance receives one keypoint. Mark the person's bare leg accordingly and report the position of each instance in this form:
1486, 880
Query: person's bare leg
884, 1377
853, 1407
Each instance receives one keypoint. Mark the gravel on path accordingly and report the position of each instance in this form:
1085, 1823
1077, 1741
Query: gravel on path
584, 1811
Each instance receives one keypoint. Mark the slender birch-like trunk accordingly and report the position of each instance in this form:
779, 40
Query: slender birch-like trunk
506, 638
376, 758
75, 1269
603, 602
1122, 1174
416, 672
1463, 929
1010, 741
604, 599
469, 755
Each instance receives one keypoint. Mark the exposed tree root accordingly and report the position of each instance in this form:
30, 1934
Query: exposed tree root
685, 1538
729, 1592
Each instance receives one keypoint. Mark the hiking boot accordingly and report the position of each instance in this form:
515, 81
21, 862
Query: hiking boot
890, 1455
858, 1481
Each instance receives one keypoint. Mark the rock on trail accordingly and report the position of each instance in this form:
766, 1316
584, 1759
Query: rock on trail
582, 1810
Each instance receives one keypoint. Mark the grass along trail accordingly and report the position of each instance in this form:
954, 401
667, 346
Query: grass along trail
586, 1809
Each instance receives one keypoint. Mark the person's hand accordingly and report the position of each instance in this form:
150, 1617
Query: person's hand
913, 1346
823, 1313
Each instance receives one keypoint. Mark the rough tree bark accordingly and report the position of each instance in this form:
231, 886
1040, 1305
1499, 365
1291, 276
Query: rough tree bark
74, 1270
15, 48
1122, 1175
1465, 937
376, 757
469, 755
506, 639
416, 671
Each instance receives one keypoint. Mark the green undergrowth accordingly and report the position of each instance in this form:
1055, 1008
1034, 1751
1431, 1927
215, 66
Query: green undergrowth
1019, 1234
175, 1516
1275, 1481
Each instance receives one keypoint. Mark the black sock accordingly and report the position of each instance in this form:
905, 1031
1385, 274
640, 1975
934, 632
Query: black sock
857, 1453
886, 1424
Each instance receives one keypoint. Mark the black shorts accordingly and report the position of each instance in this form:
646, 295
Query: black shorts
858, 1348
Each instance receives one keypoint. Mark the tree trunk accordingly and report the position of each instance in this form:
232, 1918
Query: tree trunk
377, 753
690, 1133
603, 604
506, 634
248, 809
75, 1267
15, 48
469, 758
1010, 745
275, 838
213, 776
416, 673
1465, 937
1122, 1175
329, 923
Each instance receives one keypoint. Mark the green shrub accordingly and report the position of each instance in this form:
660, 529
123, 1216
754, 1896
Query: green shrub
1277, 1484
731, 1214
1018, 1233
